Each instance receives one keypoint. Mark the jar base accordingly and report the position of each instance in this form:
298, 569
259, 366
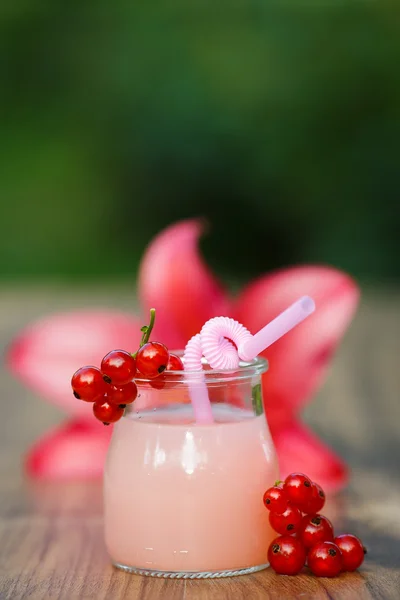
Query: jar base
189, 574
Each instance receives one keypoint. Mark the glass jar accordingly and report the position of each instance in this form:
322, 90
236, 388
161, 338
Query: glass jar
186, 500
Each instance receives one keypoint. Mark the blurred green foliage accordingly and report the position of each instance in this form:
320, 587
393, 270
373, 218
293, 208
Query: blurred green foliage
279, 122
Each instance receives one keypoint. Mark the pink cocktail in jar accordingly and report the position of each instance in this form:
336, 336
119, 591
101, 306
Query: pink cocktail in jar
185, 499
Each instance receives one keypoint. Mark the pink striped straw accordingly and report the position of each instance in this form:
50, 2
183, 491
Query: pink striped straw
212, 342
289, 318
197, 387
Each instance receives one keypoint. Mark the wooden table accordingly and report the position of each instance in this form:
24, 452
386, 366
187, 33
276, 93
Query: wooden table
51, 534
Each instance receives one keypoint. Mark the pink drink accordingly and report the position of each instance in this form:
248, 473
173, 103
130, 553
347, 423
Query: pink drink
184, 497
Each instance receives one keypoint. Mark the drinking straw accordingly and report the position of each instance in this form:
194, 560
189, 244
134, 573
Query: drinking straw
212, 343
287, 320
197, 387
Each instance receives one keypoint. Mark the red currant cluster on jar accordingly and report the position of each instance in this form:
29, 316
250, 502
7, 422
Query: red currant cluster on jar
112, 387
307, 537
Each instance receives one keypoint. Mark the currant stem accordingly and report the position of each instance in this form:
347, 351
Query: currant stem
147, 329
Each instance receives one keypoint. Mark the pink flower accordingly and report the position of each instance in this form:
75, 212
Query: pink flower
76, 449
174, 279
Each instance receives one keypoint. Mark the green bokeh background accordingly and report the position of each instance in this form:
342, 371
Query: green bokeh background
278, 122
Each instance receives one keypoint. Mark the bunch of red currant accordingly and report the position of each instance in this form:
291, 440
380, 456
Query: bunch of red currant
112, 387
294, 506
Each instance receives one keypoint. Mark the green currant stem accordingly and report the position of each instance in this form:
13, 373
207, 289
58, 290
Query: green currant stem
147, 329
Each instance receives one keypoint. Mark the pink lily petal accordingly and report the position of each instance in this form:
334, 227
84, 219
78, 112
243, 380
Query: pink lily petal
45, 355
300, 450
299, 360
75, 450
174, 279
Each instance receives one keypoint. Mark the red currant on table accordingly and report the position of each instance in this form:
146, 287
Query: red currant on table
118, 367
352, 551
286, 555
298, 488
317, 501
106, 412
88, 384
125, 394
275, 499
325, 559
314, 529
152, 359
286, 523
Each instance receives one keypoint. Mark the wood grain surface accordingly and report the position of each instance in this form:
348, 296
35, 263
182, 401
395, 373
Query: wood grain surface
51, 534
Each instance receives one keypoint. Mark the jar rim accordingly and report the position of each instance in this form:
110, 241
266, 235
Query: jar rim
245, 370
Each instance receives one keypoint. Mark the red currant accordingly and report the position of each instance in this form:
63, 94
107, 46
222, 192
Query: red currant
298, 488
314, 529
152, 359
286, 523
107, 413
317, 501
352, 551
158, 383
88, 384
118, 367
286, 555
125, 394
174, 363
275, 499
325, 559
